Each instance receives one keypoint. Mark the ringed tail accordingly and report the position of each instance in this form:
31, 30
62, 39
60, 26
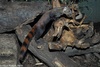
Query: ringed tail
26, 42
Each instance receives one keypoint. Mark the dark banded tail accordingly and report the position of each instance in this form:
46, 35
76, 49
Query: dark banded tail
25, 44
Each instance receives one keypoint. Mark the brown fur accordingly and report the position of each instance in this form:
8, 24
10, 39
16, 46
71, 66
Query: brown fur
23, 48
67, 38
58, 25
30, 35
26, 41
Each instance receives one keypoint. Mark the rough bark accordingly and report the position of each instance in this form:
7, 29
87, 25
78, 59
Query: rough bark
72, 52
52, 59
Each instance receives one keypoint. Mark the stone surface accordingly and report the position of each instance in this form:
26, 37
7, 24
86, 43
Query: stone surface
16, 13
8, 49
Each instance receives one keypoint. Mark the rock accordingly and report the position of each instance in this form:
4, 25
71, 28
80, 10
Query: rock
16, 13
8, 49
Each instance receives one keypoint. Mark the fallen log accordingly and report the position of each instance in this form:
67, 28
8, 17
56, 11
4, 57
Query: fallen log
74, 52
52, 59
